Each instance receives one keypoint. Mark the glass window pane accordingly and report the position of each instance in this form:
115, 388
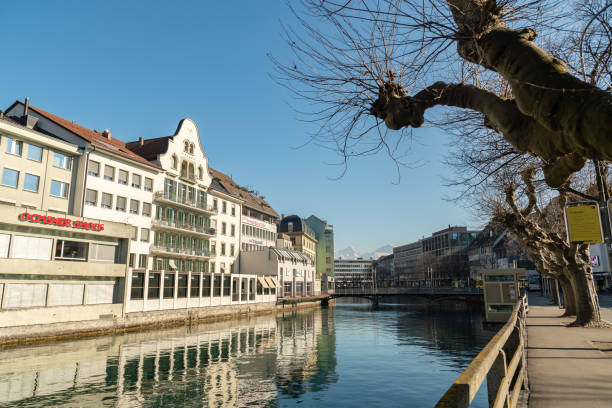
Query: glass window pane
154, 281
10, 177
34, 153
13, 146
91, 197
134, 205
61, 160
168, 285
148, 185
135, 180
71, 250
120, 204
59, 189
30, 183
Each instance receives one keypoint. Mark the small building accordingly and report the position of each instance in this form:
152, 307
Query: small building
301, 234
293, 271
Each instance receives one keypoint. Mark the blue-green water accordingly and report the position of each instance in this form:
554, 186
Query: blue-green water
344, 356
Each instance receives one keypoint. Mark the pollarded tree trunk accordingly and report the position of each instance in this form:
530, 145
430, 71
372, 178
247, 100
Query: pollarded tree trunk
569, 297
587, 303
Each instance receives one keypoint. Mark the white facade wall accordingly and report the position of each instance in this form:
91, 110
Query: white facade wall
227, 228
101, 185
257, 233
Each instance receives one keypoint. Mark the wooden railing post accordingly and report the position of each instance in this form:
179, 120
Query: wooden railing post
495, 376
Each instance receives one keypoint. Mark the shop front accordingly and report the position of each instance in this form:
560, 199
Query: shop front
56, 267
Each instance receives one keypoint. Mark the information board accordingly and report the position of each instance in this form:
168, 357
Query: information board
584, 223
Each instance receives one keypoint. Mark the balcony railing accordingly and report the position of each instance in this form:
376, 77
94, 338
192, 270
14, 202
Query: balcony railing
171, 224
184, 201
171, 249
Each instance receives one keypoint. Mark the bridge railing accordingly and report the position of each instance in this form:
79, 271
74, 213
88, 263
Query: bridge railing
400, 291
505, 378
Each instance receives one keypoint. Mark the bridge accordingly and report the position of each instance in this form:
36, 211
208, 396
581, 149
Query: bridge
434, 293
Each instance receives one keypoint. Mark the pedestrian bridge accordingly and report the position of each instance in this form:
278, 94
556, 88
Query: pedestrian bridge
431, 293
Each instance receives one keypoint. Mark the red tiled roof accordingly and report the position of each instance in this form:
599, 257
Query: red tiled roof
250, 200
94, 137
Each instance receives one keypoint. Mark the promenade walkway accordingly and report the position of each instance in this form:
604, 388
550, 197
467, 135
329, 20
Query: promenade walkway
568, 367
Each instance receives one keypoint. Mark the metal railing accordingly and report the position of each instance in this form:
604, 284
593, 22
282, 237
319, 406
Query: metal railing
505, 379
181, 251
168, 223
407, 291
176, 198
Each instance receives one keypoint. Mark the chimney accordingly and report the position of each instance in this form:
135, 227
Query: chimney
107, 134
141, 140
26, 120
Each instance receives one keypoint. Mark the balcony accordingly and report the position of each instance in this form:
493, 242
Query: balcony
185, 203
171, 250
171, 225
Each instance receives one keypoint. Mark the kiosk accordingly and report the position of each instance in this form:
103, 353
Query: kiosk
501, 292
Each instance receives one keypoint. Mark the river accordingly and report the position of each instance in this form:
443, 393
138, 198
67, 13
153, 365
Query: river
349, 355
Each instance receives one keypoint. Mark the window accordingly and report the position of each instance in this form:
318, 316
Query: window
13, 146
215, 204
205, 285
103, 253
138, 280
71, 250
30, 183
10, 177
233, 210
123, 177
131, 260
217, 286
146, 209
109, 173
186, 148
134, 233
120, 206
59, 189
142, 260
224, 207
182, 285
134, 206
136, 180
91, 197
232, 250
195, 285
61, 160
148, 184
222, 248
31, 247
144, 235
222, 267
34, 153
94, 168
200, 173
174, 162
223, 228
154, 280
226, 286
168, 285
233, 231
107, 200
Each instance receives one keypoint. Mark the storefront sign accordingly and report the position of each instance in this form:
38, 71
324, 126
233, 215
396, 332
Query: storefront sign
62, 222
583, 223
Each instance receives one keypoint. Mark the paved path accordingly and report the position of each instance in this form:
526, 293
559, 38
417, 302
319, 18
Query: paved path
566, 365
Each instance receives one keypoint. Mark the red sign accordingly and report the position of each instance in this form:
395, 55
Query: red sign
62, 222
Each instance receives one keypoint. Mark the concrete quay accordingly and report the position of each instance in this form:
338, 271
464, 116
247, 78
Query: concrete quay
149, 320
567, 366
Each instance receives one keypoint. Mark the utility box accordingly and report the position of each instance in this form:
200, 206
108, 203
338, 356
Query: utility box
501, 292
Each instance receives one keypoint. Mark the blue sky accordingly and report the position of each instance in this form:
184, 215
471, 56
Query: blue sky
137, 68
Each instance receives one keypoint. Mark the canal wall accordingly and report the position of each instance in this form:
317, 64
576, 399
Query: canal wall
148, 320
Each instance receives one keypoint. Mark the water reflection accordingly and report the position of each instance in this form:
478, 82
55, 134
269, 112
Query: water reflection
342, 356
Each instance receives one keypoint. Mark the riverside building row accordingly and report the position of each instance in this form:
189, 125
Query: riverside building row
92, 227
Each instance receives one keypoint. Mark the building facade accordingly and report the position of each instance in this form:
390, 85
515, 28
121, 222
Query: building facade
408, 265
301, 234
324, 233
383, 271
353, 273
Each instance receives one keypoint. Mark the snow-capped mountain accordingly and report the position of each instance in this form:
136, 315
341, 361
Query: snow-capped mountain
351, 253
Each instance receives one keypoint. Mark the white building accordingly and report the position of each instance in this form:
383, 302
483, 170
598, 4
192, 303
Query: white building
294, 271
353, 272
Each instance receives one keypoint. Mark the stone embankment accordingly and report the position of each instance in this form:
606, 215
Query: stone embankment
149, 320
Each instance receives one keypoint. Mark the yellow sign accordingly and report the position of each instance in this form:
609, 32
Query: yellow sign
583, 223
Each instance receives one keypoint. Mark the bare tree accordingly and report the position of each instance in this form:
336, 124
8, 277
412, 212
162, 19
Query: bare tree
368, 66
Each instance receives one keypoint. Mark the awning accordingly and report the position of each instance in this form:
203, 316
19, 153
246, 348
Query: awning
172, 264
263, 282
275, 283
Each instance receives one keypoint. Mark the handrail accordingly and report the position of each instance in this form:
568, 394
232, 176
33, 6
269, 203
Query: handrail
491, 363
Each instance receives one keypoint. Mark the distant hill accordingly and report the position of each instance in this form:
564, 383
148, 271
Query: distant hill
351, 253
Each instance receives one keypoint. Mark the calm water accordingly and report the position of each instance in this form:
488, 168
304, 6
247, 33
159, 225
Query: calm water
344, 356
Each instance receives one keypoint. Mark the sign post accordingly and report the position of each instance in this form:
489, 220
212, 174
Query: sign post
583, 222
